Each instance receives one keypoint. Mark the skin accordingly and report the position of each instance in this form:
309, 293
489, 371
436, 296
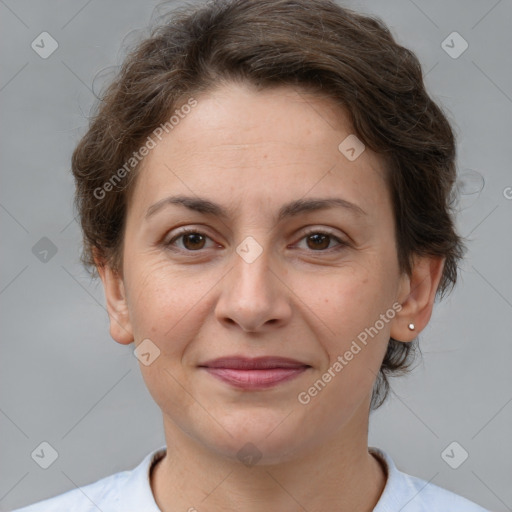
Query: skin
251, 152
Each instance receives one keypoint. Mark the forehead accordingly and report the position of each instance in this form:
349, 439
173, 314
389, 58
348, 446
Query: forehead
239, 141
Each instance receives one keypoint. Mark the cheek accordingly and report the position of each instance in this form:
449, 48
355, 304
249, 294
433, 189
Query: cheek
356, 349
352, 298
160, 302
350, 314
163, 308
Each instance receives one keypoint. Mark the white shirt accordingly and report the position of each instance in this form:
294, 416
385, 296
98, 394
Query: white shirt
129, 491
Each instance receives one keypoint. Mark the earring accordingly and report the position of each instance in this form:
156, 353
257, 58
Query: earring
411, 327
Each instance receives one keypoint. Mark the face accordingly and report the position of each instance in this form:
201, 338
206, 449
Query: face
266, 272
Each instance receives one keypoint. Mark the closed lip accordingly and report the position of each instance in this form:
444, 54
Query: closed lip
254, 363
254, 373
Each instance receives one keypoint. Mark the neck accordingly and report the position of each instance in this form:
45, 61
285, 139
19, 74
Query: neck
338, 474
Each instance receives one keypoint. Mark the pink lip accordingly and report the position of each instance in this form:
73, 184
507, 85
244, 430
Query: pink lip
254, 373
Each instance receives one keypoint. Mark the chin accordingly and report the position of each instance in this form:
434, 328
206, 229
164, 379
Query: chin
261, 436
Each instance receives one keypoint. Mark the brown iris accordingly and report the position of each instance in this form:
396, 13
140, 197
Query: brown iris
321, 238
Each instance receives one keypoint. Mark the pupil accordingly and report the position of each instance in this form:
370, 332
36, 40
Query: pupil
195, 239
317, 237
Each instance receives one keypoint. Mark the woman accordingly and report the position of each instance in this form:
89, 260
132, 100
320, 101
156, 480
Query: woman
264, 193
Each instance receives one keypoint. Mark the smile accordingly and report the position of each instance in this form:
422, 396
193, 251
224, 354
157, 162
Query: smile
258, 373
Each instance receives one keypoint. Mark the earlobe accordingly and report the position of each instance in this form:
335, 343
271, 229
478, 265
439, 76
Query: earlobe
417, 294
117, 307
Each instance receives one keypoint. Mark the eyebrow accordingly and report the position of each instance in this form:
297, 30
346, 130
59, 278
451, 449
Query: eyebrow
288, 210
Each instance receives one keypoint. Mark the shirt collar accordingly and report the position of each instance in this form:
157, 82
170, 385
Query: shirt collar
390, 500
137, 493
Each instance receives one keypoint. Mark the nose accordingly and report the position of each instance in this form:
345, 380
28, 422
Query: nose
253, 295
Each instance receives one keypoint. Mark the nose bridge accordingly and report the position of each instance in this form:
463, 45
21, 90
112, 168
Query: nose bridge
251, 266
251, 294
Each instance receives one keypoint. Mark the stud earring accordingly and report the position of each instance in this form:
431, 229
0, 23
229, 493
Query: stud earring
411, 327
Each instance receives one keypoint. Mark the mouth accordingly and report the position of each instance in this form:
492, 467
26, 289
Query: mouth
254, 373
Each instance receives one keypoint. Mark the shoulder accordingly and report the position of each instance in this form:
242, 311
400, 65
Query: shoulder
412, 494
120, 491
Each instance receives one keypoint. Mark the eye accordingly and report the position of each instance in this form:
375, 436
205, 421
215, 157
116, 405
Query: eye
319, 241
193, 240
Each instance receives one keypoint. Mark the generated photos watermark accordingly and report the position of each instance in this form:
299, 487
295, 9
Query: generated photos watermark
143, 151
304, 397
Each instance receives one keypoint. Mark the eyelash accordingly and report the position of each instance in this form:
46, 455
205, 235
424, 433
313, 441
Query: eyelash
187, 231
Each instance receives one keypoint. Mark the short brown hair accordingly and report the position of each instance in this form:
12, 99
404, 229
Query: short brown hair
313, 45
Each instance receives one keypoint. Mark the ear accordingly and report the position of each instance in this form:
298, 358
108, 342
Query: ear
117, 307
417, 293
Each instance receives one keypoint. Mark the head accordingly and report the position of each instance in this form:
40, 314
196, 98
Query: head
254, 108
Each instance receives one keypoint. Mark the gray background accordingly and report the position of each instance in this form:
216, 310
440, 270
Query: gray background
64, 381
